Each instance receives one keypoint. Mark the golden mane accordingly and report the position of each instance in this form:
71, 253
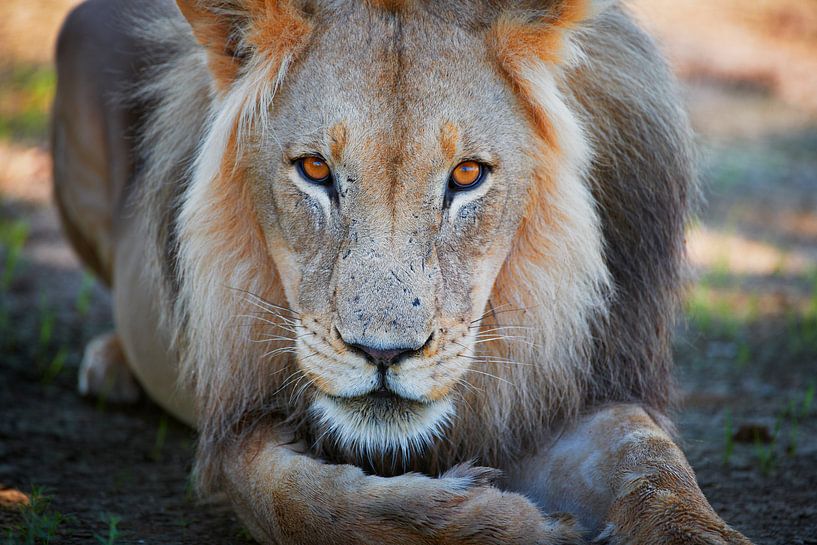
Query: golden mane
592, 279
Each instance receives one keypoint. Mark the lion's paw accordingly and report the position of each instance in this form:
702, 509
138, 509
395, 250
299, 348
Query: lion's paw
662, 517
104, 372
611, 535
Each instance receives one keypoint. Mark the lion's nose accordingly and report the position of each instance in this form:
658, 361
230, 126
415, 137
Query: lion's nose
384, 358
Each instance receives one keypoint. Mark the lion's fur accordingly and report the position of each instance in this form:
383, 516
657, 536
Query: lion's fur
595, 269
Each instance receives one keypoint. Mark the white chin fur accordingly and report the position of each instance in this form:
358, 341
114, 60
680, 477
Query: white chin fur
366, 427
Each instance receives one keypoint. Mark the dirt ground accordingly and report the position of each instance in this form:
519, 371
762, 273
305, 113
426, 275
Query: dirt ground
746, 351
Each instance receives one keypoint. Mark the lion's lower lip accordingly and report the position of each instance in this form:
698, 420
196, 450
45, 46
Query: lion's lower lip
381, 396
383, 393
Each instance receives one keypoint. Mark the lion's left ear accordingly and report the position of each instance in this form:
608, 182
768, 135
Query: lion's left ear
540, 29
236, 33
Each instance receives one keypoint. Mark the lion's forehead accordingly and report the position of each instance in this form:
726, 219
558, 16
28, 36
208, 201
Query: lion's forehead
404, 90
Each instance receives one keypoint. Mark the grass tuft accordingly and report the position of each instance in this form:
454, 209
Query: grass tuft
13, 236
113, 529
39, 523
56, 366
161, 438
82, 303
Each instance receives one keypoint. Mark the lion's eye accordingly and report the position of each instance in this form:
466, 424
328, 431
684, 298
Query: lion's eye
315, 169
466, 175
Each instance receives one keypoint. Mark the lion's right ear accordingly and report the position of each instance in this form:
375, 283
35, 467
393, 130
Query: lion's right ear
238, 33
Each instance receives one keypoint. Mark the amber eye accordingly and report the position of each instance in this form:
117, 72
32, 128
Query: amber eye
315, 169
466, 175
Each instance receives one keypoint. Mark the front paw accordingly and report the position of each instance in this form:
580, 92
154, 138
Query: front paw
286, 497
650, 516
470, 511
491, 517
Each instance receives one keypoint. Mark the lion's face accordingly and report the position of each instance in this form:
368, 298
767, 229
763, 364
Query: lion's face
387, 250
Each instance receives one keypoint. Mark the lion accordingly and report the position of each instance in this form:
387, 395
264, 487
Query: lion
409, 267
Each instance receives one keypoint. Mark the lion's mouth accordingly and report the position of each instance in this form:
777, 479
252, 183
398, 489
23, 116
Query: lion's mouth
385, 394
381, 397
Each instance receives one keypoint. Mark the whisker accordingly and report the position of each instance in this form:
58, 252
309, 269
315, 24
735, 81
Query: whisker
274, 313
302, 389
485, 357
488, 338
470, 386
309, 356
491, 310
505, 311
502, 328
288, 380
272, 338
462, 397
498, 361
492, 376
292, 397
269, 322
264, 301
523, 340
284, 350
294, 378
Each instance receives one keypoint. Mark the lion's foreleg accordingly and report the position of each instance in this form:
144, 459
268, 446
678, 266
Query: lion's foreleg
620, 473
286, 497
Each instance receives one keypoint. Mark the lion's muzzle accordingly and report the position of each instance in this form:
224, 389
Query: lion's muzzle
385, 304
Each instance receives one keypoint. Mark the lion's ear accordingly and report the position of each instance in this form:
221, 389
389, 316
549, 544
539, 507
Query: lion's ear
236, 33
540, 29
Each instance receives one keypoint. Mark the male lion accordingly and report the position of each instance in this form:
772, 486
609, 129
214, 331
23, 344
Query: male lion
385, 245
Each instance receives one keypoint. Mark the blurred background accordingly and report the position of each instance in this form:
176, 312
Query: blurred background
78, 471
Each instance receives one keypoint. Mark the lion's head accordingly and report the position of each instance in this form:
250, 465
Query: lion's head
400, 193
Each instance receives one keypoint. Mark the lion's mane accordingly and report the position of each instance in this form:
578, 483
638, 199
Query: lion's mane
595, 270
